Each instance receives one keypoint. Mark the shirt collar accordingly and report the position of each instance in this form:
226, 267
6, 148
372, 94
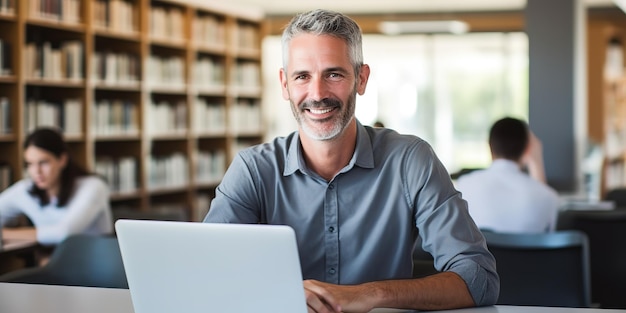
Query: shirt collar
363, 154
505, 164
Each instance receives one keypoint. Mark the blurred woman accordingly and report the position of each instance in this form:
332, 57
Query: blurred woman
59, 197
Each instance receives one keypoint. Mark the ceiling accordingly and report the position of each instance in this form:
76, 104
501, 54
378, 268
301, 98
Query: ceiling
289, 7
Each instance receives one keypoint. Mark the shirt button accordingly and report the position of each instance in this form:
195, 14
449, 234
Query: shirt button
331, 229
331, 186
332, 271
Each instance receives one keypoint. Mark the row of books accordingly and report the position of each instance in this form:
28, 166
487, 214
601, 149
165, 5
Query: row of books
115, 117
246, 36
120, 173
165, 117
210, 166
209, 30
209, 72
66, 11
65, 114
165, 70
112, 68
203, 203
5, 116
5, 58
116, 15
246, 74
62, 60
7, 7
168, 171
167, 23
5, 176
245, 117
209, 118
241, 144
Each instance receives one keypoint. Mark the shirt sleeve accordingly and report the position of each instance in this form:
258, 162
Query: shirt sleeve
234, 200
9, 202
87, 203
448, 232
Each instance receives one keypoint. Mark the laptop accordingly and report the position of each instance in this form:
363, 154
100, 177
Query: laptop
200, 267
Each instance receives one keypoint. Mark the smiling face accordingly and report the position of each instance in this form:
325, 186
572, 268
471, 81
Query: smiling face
44, 168
321, 85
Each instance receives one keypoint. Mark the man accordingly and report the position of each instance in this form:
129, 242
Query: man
503, 197
355, 195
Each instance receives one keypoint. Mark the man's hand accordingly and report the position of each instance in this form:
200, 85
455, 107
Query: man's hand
329, 298
533, 158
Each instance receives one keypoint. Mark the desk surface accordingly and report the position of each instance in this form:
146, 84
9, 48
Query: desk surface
18, 238
29, 298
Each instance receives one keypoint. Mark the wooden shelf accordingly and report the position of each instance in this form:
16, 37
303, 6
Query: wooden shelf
55, 24
116, 34
8, 79
115, 134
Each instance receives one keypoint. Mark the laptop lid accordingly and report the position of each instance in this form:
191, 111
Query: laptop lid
200, 267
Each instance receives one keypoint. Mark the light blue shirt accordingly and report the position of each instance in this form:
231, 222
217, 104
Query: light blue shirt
502, 198
361, 225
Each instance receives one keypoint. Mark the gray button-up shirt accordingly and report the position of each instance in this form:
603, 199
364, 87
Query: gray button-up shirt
361, 225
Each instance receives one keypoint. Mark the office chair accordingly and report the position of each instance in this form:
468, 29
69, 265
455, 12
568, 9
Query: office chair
606, 230
153, 214
617, 196
80, 260
548, 269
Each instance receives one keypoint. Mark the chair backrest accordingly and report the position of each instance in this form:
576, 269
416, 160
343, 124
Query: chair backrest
618, 196
607, 252
80, 260
548, 269
177, 215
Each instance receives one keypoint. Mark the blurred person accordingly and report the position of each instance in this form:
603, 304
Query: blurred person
59, 197
504, 197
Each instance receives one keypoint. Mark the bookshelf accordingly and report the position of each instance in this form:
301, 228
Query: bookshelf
155, 95
607, 94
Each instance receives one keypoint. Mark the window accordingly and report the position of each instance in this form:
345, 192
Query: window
447, 89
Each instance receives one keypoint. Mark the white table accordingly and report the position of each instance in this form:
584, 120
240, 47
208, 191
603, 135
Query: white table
31, 298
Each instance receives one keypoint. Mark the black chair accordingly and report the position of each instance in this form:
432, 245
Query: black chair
549, 269
606, 230
80, 260
175, 215
617, 196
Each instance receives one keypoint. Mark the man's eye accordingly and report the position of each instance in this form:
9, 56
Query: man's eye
335, 76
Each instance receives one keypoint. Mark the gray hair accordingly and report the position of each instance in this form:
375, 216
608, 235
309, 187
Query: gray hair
325, 22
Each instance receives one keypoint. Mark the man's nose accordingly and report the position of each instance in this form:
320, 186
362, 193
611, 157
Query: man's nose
318, 89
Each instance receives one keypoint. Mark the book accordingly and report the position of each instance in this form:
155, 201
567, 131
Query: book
5, 115
5, 58
5, 176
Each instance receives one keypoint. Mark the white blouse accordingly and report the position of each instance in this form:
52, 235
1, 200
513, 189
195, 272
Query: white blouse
87, 212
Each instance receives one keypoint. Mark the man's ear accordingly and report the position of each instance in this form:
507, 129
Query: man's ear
283, 83
362, 79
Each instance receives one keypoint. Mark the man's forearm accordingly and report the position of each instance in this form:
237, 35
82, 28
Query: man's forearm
445, 290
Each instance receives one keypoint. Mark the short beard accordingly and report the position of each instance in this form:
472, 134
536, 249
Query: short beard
339, 124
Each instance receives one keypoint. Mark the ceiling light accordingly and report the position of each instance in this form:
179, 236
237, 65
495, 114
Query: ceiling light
421, 27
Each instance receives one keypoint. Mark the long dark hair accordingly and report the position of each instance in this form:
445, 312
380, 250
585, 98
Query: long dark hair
51, 140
